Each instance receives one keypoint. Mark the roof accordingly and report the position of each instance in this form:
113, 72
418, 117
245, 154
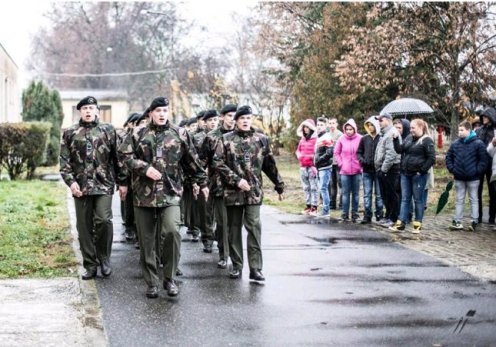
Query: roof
99, 94
8, 55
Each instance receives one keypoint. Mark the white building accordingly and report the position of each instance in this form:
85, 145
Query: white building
10, 100
114, 107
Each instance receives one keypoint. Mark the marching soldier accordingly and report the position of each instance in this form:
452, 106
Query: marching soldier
205, 212
215, 183
158, 155
240, 157
88, 165
187, 198
127, 209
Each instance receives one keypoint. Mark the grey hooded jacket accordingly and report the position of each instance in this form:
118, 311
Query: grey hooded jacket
386, 157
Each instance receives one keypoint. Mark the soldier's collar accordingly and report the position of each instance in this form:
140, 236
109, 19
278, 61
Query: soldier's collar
88, 124
156, 127
245, 133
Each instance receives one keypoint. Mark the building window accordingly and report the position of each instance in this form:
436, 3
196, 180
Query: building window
106, 113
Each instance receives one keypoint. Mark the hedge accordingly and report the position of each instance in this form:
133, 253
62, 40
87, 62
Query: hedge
23, 147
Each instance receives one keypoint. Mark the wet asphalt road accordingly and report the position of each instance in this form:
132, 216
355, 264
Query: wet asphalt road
327, 284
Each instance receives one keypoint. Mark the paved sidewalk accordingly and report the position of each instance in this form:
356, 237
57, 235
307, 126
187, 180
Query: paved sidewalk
472, 252
51, 312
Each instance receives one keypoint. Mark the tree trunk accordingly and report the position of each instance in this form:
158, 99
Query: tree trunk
454, 121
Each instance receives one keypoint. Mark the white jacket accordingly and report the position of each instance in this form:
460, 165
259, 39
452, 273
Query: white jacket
492, 153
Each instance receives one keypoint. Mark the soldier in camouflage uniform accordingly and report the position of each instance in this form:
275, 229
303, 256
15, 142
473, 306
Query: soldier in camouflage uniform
158, 155
195, 230
205, 208
240, 157
127, 209
88, 165
216, 196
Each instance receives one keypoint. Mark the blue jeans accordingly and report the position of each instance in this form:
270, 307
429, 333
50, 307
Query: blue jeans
371, 183
350, 184
412, 186
324, 177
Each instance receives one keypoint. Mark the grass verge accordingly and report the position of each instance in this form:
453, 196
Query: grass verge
34, 224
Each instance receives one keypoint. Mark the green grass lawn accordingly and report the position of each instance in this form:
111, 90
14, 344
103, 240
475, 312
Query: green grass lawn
34, 224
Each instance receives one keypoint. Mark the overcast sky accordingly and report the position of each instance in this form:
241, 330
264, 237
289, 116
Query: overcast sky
20, 20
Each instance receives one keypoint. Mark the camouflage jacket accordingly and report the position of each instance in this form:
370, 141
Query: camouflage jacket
198, 139
244, 155
207, 150
121, 137
88, 156
168, 149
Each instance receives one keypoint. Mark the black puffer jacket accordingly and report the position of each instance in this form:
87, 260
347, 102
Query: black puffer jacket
486, 132
418, 154
324, 151
467, 158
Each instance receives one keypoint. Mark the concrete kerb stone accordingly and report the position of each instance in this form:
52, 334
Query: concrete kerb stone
92, 318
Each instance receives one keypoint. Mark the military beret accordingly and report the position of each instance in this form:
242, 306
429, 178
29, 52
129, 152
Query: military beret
229, 108
210, 114
158, 102
146, 114
133, 117
200, 114
89, 100
183, 123
192, 120
241, 111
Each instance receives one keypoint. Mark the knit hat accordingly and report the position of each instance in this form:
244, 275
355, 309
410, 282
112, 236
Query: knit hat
384, 115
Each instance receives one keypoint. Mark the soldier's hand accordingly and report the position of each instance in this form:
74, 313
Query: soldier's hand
243, 185
123, 192
196, 190
205, 192
153, 173
75, 190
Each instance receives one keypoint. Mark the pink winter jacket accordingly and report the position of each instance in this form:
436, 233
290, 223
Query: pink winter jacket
305, 151
345, 152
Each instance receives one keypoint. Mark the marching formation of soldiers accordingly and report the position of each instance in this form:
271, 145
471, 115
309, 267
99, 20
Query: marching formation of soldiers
204, 174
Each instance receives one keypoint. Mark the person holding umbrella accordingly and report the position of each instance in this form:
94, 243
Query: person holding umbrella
418, 157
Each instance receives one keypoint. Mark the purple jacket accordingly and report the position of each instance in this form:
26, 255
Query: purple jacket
345, 151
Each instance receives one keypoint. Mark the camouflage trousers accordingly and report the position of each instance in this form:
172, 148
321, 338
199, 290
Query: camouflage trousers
158, 225
190, 211
95, 229
249, 216
204, 218
221, 227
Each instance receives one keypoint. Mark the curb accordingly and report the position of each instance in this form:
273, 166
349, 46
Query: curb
92, 318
